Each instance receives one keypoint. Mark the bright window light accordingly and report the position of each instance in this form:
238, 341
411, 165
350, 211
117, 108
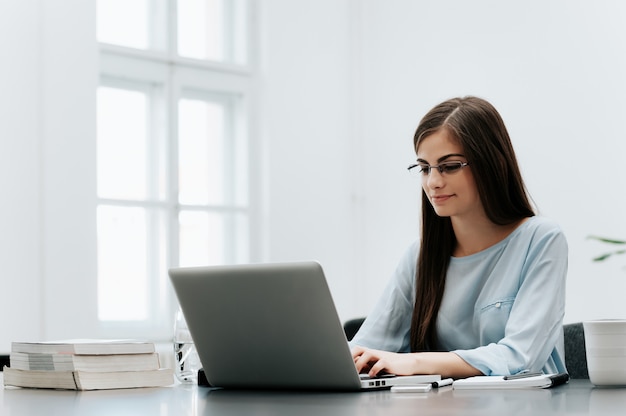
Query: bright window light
122, 270
201, 152
122, 143
214, 30
124, 22
201, 29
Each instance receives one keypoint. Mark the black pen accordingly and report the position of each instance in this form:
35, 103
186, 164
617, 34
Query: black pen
558, 379
522, 375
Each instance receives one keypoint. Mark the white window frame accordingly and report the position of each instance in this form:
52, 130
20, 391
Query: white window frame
121, 66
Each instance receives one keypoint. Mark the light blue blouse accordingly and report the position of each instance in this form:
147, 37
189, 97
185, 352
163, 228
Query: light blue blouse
502, 308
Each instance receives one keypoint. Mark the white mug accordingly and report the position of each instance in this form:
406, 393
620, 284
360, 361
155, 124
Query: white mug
605, 342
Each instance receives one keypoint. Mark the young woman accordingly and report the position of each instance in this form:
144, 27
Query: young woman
483, 291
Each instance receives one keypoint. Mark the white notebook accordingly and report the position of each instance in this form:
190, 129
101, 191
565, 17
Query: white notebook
501, 382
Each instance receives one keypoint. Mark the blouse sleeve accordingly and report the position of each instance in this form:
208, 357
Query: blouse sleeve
388, 325
533, 333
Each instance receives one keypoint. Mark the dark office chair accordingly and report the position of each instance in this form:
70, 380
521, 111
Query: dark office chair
352, 326
575, 351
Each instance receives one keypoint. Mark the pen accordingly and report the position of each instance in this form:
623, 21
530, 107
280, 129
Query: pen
558, 379
442, 383
522, 375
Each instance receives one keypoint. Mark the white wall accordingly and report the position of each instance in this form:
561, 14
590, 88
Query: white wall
307, 111
47, 130
68, 100
20, 183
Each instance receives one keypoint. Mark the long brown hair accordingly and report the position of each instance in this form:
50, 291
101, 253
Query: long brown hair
486, 144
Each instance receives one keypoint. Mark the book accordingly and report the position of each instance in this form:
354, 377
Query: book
502, 382
85, 347
71, 362
88, 380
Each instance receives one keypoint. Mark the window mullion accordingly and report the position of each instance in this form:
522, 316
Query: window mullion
174, 206
172, 29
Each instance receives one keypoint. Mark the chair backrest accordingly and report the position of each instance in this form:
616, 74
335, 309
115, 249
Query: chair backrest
352, 326
575, 351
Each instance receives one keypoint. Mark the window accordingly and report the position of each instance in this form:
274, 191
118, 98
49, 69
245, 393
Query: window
211, 30
213, 217
172, 152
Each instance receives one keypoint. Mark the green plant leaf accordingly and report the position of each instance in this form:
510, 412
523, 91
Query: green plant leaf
602, 257
606, 240
607, 255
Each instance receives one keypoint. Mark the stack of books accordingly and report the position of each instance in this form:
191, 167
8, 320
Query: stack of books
86, 365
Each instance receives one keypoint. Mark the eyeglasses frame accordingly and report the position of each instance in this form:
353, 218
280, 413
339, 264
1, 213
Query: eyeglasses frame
439, 167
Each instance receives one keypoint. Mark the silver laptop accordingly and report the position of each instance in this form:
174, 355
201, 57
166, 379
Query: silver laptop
270, 326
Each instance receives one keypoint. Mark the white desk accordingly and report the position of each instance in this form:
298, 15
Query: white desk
578, 397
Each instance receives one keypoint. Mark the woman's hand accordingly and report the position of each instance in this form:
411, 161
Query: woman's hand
446, 364
376, 361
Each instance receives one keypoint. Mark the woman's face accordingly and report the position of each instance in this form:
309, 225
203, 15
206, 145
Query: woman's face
452, 194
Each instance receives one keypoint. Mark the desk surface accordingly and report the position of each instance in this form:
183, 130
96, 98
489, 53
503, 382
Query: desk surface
578, 397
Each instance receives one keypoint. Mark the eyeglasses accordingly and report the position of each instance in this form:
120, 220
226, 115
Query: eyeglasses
445, 168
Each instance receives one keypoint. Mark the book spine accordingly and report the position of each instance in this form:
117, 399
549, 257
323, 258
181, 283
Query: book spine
76, 380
